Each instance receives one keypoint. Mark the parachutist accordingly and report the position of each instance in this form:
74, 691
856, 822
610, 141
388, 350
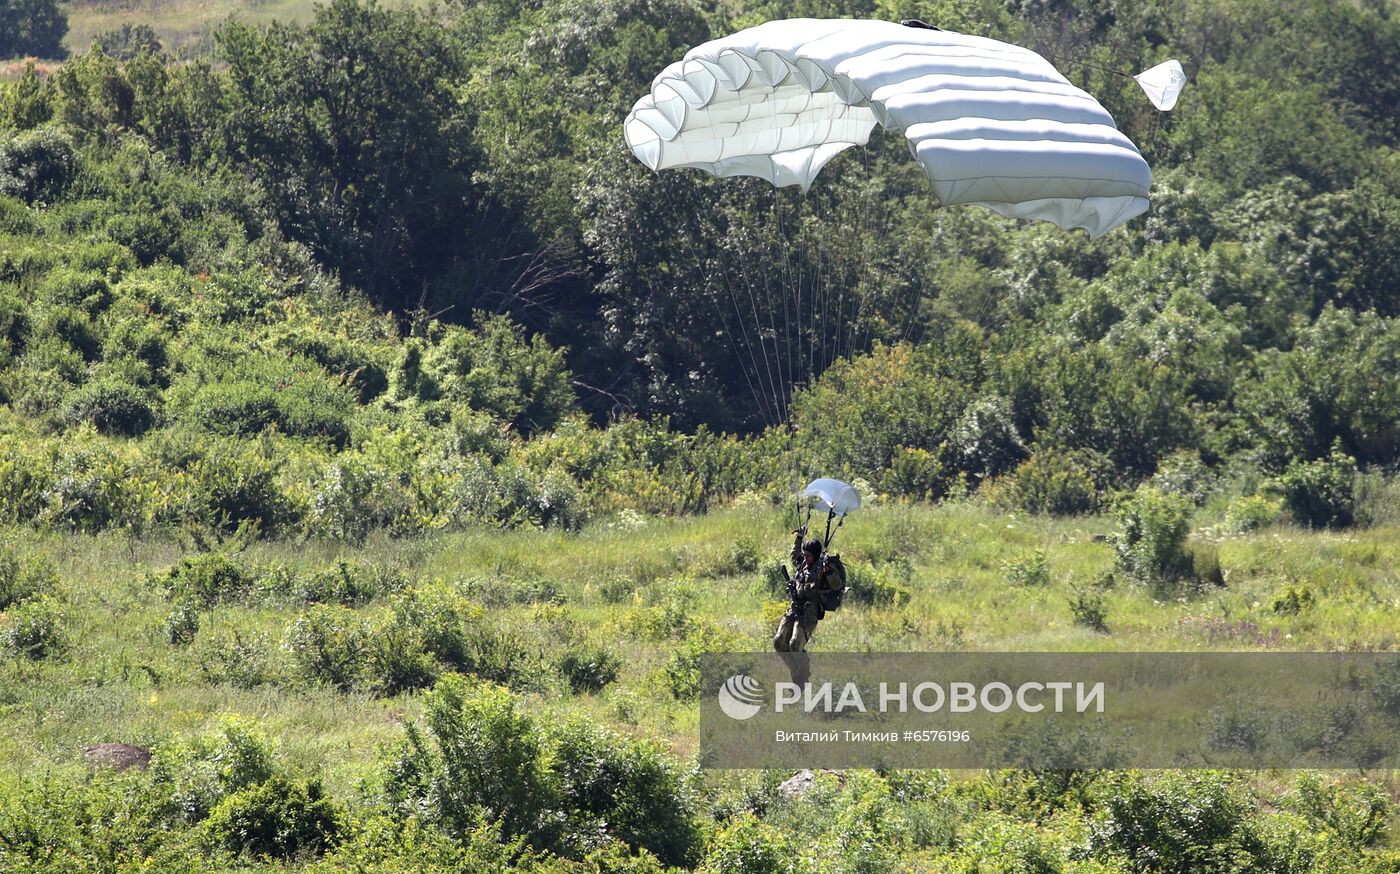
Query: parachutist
816, 586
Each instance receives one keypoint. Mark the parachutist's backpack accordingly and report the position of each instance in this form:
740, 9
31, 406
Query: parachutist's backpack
836, 580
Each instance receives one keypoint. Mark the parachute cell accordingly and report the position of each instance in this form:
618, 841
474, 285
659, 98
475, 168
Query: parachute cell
992, 124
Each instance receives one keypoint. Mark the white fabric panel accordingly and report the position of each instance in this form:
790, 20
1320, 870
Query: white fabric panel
1163, 83
991, 124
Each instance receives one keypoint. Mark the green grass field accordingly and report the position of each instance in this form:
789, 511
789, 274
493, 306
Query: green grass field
643, 589
182, 25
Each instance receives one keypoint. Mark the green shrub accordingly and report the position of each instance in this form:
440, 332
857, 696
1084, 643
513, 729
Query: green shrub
1184, 473
33, 630
329, 645
457, 632
36, 165
91, 486
744, 556
495, 368
52, 822
198, 774
882, 586
1179, 821
74, 328
995, 842
351, 584
210, 578
16, 218
128, 41
1055, 482
1251, 513
86, 291
233, 486
487, 761
1152, 545
1205, 565
149, 236
625, 788
557, 502
1377, 496
1032, 570
1293, 601
238, 409
352, 497
182, 624
280, 818
1088, 608
1356, 814
313, 405
588, 668
1320, 494
399, 660
243, 663
506, 592
112, 407
23, 576
14, 327
387, 844
747, 845
615, 590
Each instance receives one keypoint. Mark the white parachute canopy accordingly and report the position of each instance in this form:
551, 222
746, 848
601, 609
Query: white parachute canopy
1163, 83
991, 123
831, 496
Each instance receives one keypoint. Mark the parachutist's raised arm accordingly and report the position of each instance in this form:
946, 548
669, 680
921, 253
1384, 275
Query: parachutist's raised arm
798, 534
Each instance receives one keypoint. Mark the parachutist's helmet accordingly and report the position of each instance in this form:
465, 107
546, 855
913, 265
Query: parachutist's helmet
813, 548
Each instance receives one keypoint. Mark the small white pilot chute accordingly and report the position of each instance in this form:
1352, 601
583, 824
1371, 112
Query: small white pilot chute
1163, 84
832, 497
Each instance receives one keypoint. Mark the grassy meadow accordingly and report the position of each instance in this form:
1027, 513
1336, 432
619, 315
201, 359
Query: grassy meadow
183, 26
646, 590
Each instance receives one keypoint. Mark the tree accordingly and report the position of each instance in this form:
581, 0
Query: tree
354, 130
32, 27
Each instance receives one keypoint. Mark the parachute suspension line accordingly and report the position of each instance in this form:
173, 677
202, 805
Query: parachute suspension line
844, 279
766, 277
867, 310
744, 277
826, 304
911, 305
863, 220
1080, 63
744, 331
783, 293
704, 269
771, 363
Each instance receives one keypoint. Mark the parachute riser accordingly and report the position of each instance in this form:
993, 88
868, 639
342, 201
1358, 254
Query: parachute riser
830, 532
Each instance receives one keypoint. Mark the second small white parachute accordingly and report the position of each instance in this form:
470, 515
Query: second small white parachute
991, 123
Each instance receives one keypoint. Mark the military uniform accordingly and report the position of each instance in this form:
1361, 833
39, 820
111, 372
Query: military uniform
805, 588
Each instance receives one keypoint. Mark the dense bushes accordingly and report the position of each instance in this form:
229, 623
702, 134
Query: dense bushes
33, 629
559, 788
1320, 494
36, 165
280, 818
22, 575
